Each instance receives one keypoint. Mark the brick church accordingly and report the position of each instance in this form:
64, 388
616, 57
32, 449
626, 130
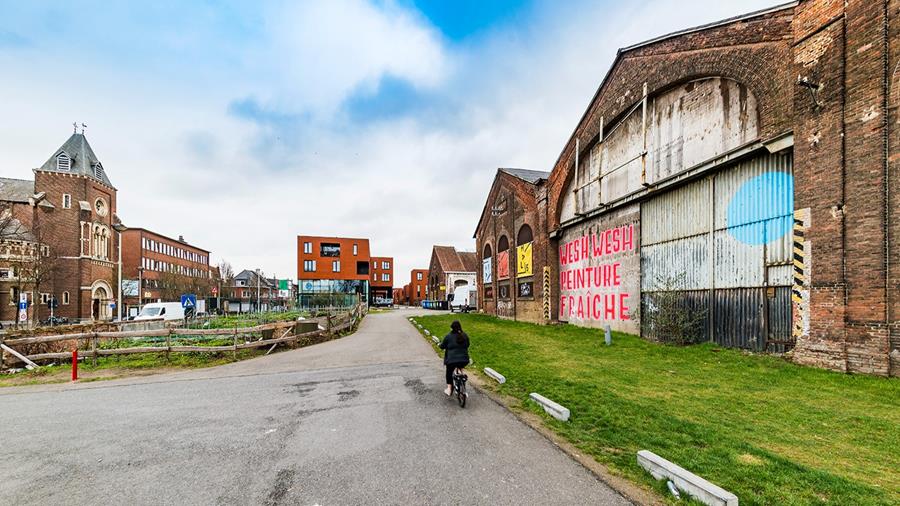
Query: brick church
57, 237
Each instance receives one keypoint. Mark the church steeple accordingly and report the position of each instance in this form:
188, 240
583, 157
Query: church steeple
75, 156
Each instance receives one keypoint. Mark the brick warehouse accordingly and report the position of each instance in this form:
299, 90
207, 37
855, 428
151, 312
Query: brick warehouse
513, 221
750, 165
70, 209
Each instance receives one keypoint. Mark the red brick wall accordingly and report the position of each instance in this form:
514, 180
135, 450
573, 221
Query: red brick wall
842, 146
521, 201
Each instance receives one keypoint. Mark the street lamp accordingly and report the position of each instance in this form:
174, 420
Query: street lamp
119, 227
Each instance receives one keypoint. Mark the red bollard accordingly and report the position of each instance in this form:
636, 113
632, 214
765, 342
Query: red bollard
75, 365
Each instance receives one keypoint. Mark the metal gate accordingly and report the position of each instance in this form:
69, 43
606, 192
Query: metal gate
723, 243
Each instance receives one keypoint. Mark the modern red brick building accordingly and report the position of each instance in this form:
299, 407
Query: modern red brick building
69, 210
339, 270
164, 268
418, 287
746, 165
381, 290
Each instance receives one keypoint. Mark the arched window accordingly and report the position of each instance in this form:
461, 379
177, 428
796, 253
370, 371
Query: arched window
65, 298
487, 251
525, 236
502, 244
63, 162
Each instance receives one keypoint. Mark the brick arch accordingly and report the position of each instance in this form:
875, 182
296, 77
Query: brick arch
764, 70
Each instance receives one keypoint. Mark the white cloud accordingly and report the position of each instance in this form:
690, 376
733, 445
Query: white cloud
184, 165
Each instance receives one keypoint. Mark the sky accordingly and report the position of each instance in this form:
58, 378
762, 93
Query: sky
241, 125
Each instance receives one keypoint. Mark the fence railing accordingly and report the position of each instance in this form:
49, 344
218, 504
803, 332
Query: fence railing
161, 340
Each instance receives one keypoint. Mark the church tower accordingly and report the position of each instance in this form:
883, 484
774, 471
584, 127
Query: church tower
74, 213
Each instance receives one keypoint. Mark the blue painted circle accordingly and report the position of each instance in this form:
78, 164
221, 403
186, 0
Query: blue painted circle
761, 210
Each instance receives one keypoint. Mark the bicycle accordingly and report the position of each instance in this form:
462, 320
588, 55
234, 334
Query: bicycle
459, 386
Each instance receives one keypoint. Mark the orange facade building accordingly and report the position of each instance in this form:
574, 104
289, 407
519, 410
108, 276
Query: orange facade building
337, 271
418, 283
382, 281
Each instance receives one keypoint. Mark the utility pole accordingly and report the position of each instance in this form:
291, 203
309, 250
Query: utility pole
257, 292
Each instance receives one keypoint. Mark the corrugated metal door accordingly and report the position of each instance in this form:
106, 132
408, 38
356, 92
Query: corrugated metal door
725, 241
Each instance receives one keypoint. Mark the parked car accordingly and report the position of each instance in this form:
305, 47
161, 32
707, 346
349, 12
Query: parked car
462, 299
167, 311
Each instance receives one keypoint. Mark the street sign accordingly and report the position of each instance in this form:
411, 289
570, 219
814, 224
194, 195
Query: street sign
188, 301
215, 290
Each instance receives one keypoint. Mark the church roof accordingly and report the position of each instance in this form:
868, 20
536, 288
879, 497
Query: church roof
16, 190
82, 160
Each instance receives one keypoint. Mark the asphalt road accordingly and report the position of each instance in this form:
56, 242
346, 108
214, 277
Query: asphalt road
360, 420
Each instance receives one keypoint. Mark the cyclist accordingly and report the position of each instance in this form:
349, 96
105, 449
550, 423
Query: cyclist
456, 352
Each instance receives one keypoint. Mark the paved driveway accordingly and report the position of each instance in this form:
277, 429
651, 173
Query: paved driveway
360, 420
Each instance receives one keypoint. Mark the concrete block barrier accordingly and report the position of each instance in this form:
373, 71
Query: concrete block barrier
435, 339
686, 481
553, 409
419, 325
427, 332
496, 375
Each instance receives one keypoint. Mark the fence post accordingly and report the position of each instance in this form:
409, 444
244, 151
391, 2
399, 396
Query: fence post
94, 349
2, 364
234, 343
168, 343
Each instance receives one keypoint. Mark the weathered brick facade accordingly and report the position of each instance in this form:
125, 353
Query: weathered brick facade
72, 212
841, 127
518, 198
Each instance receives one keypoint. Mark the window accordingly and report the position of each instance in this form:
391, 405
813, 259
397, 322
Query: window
525, 236
45, 297
307, 248
67, 201
330, 250
63, 162
45, 251
419, 276
13, 296
355, 249
65, 298
6, 273
385, 265
336, 266
385, 277
309, 266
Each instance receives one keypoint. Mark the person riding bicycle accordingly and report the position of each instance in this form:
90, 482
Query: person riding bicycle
456, 352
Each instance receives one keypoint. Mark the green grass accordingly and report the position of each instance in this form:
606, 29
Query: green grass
767, 430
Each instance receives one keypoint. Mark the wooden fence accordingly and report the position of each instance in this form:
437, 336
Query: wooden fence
331, 325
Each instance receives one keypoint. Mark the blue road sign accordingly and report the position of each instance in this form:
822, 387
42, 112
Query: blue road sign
188, 301
23, 305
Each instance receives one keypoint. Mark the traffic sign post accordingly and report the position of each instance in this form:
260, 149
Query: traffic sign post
189, 303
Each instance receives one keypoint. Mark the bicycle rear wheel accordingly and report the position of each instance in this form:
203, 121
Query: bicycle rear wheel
461, 394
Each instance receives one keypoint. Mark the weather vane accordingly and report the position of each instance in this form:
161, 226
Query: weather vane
83, 126
74, 127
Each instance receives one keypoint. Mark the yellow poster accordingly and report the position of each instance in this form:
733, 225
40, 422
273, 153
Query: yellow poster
523, 260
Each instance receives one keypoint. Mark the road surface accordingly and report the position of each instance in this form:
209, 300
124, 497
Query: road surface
359, 420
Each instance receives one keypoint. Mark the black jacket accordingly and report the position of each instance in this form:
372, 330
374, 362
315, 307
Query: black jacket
456, 351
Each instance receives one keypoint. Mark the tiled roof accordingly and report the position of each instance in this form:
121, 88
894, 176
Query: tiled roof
531, 176
452, 261
16, 190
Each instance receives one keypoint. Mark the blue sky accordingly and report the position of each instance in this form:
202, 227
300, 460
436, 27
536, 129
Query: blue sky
242, 124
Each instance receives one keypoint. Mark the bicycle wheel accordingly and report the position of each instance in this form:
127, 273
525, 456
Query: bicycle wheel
461, 394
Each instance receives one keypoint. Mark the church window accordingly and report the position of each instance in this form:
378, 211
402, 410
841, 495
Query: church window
63, 162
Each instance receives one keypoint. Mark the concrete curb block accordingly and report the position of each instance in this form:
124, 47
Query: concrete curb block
419, 325
693, 485
427, 332
496, 375
553, 409
435, 339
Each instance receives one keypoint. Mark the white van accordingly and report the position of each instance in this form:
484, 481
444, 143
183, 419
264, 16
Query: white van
463, 299
161, 310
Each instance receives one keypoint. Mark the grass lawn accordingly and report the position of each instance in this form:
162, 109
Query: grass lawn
769, 431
